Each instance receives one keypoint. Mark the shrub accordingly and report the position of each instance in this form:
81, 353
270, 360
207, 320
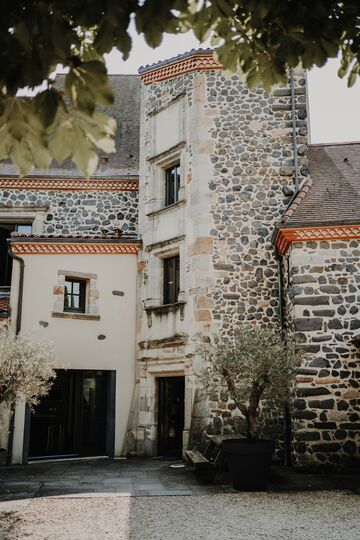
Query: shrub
255, 364
26, 368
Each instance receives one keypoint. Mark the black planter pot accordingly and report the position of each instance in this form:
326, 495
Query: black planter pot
249, 463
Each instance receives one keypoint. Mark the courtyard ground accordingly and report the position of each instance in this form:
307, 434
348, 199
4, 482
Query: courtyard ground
146, 499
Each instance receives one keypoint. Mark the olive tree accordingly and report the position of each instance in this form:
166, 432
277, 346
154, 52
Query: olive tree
259, 38
254, 364
26, 368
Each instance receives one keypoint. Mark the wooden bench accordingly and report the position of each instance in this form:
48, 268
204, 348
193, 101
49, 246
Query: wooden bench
206, 463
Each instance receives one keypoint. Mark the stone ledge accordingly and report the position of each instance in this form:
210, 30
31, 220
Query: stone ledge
79, 316
165, 309
174, 341
166, 208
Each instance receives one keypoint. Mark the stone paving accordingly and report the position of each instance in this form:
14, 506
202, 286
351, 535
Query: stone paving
142, 477
146, 499
135, 477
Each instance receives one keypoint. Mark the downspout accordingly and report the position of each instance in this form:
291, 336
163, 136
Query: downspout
21, 288
293, 124
17, 331
287, 419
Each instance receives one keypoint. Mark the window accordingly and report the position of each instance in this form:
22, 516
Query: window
23, 228
171, 279
172, 184
74, 295
5, 260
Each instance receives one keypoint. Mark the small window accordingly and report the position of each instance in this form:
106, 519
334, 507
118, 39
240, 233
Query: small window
23, 228
171, 279
74, 295
172, 184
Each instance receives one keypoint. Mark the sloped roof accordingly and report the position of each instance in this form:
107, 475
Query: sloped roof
177, 58
125, 161
333, 193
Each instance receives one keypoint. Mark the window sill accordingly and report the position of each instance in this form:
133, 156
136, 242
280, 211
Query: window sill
164, 310
79, 316
166, 208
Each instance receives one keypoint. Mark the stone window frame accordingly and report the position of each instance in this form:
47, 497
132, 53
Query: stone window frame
153, 303
36, 215
92, 295
157, 172
180, 100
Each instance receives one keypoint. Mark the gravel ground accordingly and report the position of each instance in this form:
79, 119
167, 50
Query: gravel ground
294, 515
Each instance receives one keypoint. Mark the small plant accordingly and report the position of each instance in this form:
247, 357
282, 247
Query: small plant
26, 368
255, 364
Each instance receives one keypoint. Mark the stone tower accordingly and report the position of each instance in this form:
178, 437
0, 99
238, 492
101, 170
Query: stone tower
234, 153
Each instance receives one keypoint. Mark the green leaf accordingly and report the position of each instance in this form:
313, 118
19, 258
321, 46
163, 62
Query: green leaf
40, 152
5, 142
351, 79
22, 157
83, 154
104, 39
47, 104
62, 142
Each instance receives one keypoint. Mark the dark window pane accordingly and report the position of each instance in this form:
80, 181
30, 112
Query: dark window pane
75, 295
171, 279
172, 184
76, 287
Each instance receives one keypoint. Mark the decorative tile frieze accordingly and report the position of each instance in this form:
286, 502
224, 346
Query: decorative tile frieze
285, 237
52, 248
198, 62
58, 184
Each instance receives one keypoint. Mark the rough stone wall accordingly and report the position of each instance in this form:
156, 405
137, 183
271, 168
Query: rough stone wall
322, 308
252, 161
79, 212
238, 155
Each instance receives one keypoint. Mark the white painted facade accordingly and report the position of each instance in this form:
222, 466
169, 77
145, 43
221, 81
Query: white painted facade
76, 341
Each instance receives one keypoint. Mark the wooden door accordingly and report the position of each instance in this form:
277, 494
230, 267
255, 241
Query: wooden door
171, 395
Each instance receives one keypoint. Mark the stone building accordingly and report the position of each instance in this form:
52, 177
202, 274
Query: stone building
238, 220
318, 238
71, 279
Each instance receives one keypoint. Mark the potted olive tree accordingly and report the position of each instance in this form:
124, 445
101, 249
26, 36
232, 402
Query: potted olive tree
26, 374
255, 364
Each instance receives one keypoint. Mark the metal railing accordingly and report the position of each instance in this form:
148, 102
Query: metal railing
4, 301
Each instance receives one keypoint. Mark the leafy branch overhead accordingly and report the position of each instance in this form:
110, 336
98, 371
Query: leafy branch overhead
260, 38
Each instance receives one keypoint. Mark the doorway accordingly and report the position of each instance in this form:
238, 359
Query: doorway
171, 411
76, 418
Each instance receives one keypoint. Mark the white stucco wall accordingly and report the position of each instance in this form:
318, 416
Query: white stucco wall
76, 341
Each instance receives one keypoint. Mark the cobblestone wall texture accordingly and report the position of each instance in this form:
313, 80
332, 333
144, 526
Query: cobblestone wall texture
252, 162
323, 295
230, 266
79, 212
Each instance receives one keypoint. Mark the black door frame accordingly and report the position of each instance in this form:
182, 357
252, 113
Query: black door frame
110, 419
159, 399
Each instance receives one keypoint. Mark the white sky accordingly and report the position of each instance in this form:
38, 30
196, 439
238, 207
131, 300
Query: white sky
334, 108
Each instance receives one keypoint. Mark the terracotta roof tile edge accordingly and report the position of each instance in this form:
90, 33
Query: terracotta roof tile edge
177, 58
284, 237
197, 60
296, 201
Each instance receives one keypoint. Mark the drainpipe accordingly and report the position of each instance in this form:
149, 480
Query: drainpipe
287, 419
17, 331
21, 288
293, 123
